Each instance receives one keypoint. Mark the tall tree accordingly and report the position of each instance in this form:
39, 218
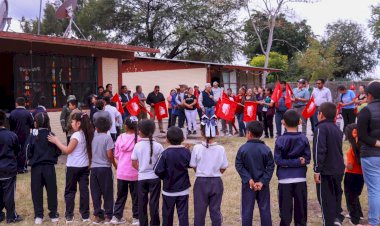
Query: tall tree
288, 37
374, 22
271, 9
357, 54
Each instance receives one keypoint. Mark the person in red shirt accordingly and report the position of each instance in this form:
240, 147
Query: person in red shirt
353, 179
240, 99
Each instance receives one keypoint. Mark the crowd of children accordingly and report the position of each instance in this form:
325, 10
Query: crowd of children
141, 163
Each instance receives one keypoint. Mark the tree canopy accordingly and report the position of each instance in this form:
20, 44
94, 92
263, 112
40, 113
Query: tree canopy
180, 28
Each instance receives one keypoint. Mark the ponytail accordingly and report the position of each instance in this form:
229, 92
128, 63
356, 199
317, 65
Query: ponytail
131, 124
136, 132
151, 149
87, 129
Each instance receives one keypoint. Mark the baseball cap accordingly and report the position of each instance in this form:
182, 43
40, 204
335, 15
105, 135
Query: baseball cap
302, 81
71, 97
215, 83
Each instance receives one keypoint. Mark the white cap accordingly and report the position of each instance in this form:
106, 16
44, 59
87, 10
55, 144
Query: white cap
207, 85
215, 83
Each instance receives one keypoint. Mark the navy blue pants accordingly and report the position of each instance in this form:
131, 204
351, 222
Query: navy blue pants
248, 198
122, 194
75, 176
151, 188
168, 206
242, 129
7, 197
101, 184
289, 194
208, 192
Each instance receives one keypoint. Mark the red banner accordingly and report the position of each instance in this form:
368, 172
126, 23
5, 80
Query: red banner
116, 98
250, 111
133, 106
288, 97
310, 108
160, 110
226, 109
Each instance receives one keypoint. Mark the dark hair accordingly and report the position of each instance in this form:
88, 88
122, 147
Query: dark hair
42, 120
291, 118
175, 135
108, 85
123, 86
107, 100
342, 88
102, 124
73, 102
363, 86
147, 128
270, 90
99, 104
352, 140
88, 130
282, 82
156, 87
100, 87
137, 87
42, 100
328, 110
321, 80
20, 101
256, 128
132, 125
3, 118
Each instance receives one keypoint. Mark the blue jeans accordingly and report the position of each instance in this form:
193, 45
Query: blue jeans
210, 111
279, 115
371, 173
242, 129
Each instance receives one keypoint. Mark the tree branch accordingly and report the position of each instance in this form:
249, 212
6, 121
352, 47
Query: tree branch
255, 29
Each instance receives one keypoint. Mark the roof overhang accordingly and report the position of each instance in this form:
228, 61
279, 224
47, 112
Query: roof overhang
27, 43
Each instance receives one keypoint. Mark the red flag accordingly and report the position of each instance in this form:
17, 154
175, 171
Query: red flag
338, 109
310, 108
288, 97
224, 95
161, 110
133, 106
116, 98
250, 109
226, 109
277, 93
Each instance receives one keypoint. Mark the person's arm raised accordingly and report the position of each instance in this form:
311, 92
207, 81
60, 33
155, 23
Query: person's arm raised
65, 149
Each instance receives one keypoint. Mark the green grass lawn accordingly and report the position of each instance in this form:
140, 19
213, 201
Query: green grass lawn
231, 197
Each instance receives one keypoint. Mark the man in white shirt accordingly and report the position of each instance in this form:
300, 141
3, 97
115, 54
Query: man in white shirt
321, 95
216, 90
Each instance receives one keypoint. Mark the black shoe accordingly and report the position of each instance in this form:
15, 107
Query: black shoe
266, 137
18, 218
194, 132
188, 132
162, 131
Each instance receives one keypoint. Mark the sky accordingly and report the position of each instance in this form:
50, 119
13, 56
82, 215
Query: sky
317, 14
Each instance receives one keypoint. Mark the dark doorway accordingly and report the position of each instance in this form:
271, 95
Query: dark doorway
215, 79
7, 82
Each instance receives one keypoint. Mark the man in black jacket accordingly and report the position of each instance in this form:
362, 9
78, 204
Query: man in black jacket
153, 98
20, 122
329, 165
125, 97
9, 148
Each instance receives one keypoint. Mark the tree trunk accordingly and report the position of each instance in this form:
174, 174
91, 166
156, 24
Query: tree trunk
272, 24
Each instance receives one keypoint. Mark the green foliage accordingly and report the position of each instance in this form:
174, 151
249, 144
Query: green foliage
276, 60
374, 22
288, 38
356, 55
315, 62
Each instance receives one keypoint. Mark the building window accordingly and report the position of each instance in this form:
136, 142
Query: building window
54, 77
230, 81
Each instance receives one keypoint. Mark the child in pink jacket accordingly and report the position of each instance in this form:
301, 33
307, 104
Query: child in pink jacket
126, 174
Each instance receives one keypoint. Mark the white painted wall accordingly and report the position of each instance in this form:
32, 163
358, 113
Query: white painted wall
166, 79
110, 73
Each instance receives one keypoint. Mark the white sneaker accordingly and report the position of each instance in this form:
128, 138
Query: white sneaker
54, 220
116, 220
135, 221
347, 216
86, 220
38, 220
